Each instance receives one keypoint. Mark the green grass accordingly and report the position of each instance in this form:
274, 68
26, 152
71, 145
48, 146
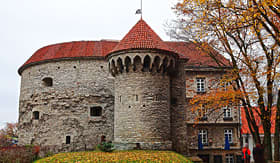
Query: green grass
135, 156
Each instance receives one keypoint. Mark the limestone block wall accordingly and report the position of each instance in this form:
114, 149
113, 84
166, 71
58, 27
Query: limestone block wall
64, 108
142, 99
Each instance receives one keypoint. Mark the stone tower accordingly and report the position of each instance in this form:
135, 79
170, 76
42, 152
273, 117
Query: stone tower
142, 64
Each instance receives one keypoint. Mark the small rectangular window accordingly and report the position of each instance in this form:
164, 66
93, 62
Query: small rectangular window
200, 85
68, 139
96, 111
136, 97
36, 115
229, 158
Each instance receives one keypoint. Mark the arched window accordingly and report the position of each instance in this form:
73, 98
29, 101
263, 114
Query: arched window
48, 82
147, 62
36, 115
95, 111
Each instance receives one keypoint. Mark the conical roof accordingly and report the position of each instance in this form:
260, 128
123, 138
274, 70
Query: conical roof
141, 36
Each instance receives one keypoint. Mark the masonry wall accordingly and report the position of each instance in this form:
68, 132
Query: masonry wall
214, 122
142, 99
64, 108
178, 109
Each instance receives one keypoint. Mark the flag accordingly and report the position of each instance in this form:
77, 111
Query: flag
200, 145
227, 146
139, 11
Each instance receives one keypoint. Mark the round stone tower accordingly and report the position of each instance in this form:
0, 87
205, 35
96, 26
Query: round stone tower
141, 64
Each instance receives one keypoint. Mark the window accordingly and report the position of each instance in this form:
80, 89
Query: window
228, 133
96, 111
36, 115
204, 136
68, 139
136, 97
227, 112
229, 158
202, 113
48, 82
200, 84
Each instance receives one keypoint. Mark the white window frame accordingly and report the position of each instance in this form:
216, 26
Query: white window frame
200, 84
227, 112
204, 136
229, 158
229, 133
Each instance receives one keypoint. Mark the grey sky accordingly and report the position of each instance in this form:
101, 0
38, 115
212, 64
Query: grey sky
27, 25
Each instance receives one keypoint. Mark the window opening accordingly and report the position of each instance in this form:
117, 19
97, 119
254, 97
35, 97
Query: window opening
228, 133
96, 111
203, 135
36, 115
229, 158
68, 139
48, 82
200, 84
227, 112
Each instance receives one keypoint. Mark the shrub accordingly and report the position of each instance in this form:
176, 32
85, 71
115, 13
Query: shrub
23, 154
106, 146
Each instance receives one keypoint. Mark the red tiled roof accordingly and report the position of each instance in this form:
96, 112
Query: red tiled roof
141, 36
245, 128
197, 57
71, 50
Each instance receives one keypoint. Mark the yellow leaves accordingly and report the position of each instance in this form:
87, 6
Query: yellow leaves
116, 157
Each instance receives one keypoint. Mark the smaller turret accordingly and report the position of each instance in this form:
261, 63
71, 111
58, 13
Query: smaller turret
141, 64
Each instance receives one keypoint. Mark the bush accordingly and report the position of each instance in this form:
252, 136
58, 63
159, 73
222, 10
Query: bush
106, 147
23, 154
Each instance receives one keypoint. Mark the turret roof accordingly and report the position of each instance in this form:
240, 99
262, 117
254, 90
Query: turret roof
141, 36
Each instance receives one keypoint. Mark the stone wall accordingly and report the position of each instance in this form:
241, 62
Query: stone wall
64, 107
178, 109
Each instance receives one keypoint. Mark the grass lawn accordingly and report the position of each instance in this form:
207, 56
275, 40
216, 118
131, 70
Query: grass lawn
117, 157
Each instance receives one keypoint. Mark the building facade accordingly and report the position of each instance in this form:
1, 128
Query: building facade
133, 92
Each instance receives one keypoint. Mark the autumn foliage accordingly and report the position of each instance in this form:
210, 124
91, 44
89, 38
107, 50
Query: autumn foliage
117, 157
246, 32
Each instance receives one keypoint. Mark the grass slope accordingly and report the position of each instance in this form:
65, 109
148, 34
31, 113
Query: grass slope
137, 156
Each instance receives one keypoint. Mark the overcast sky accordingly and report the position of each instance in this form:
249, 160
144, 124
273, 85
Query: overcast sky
27, 25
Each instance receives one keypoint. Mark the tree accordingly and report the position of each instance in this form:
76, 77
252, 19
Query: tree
247, 32
7, 134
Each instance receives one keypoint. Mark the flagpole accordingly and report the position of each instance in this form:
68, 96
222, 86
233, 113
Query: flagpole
141, 10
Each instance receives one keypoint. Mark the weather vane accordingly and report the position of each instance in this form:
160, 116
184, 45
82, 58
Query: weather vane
139, 11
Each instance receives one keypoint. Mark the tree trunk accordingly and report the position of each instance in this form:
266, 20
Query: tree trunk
277, 128
267, 140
